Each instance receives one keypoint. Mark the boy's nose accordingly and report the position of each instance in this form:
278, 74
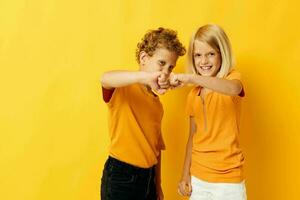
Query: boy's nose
166, 72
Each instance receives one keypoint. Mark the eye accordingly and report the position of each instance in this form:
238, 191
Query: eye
171, 68
211, 54
197, 55
161, 63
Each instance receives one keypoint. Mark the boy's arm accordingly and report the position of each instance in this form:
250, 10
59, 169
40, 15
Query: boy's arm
228, 87
115, 79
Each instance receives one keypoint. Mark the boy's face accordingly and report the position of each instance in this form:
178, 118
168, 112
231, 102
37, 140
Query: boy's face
207, 60
162, 60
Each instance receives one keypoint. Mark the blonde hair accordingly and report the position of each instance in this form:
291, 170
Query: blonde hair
215, 36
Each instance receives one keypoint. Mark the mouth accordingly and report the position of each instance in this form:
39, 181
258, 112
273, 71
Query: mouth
206, 68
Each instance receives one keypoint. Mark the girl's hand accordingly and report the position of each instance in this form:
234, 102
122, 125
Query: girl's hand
185, 186
178, 80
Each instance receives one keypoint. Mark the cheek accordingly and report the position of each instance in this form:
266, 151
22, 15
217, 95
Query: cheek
217, 62
196, 60
154, 66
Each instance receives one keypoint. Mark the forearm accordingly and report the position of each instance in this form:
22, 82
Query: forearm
115, 79
228, 87
188, 158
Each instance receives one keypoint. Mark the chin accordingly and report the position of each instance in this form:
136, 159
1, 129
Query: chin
206, 73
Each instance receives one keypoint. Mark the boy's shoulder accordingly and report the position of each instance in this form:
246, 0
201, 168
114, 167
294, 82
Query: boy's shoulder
132, 91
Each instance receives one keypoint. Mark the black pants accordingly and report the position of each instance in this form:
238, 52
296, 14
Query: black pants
122, 181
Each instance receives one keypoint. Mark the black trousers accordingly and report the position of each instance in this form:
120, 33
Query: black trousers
122, 181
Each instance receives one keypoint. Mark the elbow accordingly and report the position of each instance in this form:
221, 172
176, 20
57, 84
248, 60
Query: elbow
104, 80
236, 89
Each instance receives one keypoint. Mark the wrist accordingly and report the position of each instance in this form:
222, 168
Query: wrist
191, 78
185, 175
142, 77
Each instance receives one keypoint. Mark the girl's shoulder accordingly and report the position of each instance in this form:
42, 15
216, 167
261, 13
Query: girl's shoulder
234, 74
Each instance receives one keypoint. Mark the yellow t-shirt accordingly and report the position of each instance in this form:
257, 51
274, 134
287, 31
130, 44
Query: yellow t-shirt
135, 126
216, 153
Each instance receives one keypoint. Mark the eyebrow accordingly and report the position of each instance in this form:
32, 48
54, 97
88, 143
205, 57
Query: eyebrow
212, 51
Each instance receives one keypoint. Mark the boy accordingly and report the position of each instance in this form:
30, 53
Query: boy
132, 170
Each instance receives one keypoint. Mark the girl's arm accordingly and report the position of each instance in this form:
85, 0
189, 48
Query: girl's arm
184, 186
115, 79
228, 87
160, 195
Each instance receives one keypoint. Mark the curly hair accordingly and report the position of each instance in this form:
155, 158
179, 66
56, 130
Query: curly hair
160, 38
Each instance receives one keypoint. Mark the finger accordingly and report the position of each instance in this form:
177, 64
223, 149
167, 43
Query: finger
173, 81
182, 189
161, 91
162, 76
164, 86
175, 86
179, 191
189, 189
163, 82
154, 86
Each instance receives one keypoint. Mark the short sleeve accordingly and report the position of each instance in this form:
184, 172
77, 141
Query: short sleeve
189, 109
107, 94
235, 75
117, 97
161, 143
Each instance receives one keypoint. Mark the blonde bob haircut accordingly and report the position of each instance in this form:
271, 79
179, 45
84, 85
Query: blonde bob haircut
215, 36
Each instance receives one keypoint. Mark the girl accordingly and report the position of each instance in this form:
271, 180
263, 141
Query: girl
213, 166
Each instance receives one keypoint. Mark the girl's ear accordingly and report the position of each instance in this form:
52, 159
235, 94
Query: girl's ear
143, 57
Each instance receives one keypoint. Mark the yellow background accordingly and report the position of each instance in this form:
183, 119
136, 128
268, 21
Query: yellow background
53, 123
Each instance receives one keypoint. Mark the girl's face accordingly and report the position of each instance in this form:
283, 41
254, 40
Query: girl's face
207, 60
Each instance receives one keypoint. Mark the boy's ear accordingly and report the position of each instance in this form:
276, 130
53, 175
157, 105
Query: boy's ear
143, 57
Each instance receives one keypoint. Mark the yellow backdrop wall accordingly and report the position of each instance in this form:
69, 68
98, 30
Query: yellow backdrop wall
53, 123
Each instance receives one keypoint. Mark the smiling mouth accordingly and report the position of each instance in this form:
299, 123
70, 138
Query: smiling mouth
205, 67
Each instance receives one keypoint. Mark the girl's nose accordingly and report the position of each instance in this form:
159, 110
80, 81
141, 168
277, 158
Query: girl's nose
204, 60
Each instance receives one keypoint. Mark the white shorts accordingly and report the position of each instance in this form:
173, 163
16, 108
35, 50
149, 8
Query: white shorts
202, 190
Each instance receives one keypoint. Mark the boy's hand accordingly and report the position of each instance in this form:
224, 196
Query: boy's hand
163, 81
151, 79
159, 192
185, 186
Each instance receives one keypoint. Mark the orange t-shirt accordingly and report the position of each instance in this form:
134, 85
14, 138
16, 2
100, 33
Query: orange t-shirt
135, 126
216, 152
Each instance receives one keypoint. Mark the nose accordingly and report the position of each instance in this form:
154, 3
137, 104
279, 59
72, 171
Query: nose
203, 60
165, 71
